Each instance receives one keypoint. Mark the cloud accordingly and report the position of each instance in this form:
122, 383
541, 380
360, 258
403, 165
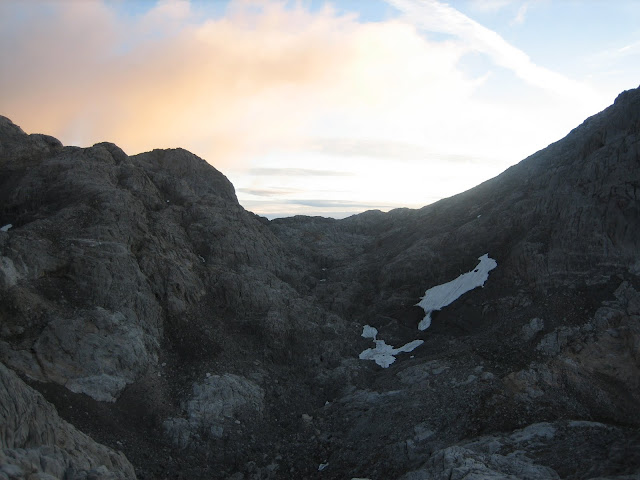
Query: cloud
617, 54
388, 150
268, 192
440, 17
228, 89
281, 98
280, 210
631, 49
297, 172
332, 208
490, 5
369, 148
520, 16
357, 206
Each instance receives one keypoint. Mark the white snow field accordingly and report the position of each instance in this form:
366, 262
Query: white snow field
442, 295
434, 299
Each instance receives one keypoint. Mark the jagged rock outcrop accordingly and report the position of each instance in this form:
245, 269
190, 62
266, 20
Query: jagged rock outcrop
528, 453
164, 320
107, 252
129, 278
35, 443
215, 404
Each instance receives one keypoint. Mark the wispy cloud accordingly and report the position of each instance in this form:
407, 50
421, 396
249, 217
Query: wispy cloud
366, 147
325, 208
614, 64
629, 50
319, 203
387, 150
440, 17
297, 172
521, 14
490, 5
268, 192
619, 53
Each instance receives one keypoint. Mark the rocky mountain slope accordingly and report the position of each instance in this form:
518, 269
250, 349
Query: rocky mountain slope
195, 339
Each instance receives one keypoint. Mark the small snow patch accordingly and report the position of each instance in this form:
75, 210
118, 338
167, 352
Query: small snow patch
383, 354
442, 295
6, 227
369, 332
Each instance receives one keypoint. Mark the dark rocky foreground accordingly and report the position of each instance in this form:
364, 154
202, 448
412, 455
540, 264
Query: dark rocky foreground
149, 322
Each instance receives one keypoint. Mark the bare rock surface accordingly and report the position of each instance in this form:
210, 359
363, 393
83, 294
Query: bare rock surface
214, 404
162, 319
539, 451
36, 443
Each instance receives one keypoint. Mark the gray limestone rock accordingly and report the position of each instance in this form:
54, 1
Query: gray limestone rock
554, 342
107, 251
459, 463
36, 443
531, 329
212, 406
534, 452
97, 352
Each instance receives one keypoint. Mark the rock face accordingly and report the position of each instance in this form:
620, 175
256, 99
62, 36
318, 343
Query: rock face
165, 321
36, 443
526, 453
214, 403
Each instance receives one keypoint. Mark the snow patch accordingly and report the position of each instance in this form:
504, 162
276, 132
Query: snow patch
369, 332
383, 354
442, 295
6, 227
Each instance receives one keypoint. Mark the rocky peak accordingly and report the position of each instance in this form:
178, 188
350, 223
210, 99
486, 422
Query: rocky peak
16, 146
196, 179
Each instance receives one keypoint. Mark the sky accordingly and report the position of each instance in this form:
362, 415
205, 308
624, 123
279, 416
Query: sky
320, 108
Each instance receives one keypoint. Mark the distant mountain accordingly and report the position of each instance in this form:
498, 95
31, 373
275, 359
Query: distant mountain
160, 318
